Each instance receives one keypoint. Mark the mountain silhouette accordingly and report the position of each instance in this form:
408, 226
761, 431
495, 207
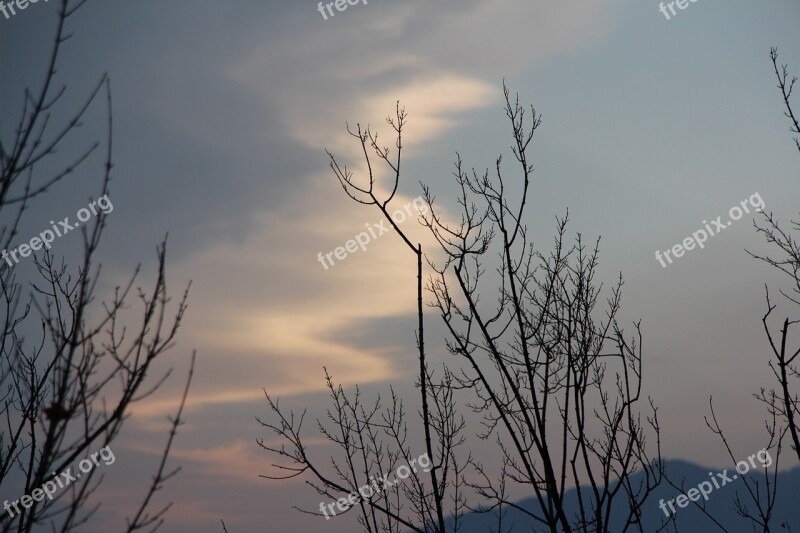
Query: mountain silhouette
690, 519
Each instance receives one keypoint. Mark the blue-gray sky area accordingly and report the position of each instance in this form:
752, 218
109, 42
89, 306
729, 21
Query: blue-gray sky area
222, 113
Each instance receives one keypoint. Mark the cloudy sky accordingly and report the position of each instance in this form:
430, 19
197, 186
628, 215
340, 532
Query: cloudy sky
223, 111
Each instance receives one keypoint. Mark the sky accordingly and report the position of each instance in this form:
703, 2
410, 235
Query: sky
222, 114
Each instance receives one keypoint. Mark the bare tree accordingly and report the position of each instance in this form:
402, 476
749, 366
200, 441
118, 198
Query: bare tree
539, 360
784, 402
374, 439
757, 503
70, 368
554, 377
